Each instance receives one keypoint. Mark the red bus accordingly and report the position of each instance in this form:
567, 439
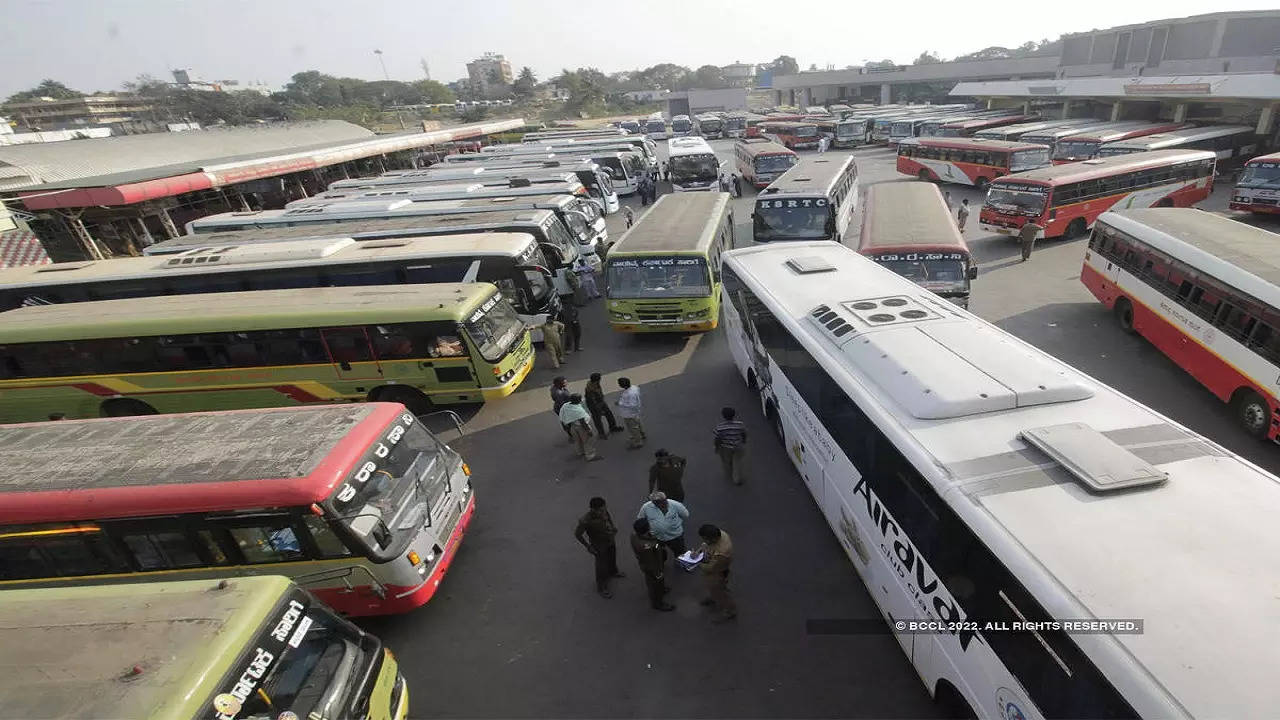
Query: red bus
966, 128
1258, 187
761, 161
1066, 199
907, 227
1202, 289
358, 503
967, 161
1087, 145
792, 135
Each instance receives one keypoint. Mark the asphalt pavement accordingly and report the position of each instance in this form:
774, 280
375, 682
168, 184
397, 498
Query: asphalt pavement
516, 629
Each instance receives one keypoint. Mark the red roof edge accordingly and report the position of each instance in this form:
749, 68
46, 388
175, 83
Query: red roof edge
118, 194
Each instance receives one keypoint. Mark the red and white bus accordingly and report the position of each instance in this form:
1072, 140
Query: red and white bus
792, 135
1066, 199
1202, 289
966, 128
1086, 145
967, 161
1231, 143
908, 228
358, 503
1258, 187
761, 161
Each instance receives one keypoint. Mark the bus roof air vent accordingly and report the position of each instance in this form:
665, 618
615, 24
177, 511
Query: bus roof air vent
877, 312
809, 264
264, 252
1093, 458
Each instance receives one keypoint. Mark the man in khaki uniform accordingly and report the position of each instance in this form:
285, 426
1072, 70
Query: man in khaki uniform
1027, 237
717, 555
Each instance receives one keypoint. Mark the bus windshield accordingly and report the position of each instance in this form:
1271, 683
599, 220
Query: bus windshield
312, 678
806, 131
850, 129
1261, 175
938, 275
494, 328
658, 277
795, 219
680, 125
613, 166
1025, 200
392, 489
559, 236
578, 225
1029, 160
775, 163
1076, 149
695, 167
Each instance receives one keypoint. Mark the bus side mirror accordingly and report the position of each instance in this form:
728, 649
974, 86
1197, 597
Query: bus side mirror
973, 272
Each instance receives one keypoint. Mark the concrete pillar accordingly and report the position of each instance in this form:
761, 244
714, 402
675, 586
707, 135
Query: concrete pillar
1267, 119
1026, 108
1115, 111
1066, 110
886, 93
1180, 113
991, 103
166, 222
144, 235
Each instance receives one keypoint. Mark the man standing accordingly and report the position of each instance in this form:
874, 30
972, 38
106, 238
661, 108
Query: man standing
737, 185
666, 475
587, 279
666, 521
629, 411
946, 198
1027, 236
649, 555
573, 336
724, 182
599, 408
962, 215
717, 555
573, 416
629, 214
666, 170
559, 396
731, 444
553, 340
596, 532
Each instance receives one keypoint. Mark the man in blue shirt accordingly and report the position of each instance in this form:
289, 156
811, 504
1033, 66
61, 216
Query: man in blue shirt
666, 521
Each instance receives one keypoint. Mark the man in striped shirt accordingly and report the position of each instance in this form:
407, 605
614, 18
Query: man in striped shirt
731, 445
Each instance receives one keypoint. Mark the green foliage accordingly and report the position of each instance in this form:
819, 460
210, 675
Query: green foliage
927, 58
709, 77
784, 65
46, 88
526, 83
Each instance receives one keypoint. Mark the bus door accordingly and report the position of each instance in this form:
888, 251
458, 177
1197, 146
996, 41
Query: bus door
351, 353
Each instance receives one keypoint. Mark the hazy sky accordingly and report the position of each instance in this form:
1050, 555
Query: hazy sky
99, 44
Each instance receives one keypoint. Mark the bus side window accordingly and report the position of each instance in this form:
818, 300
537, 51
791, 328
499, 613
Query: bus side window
161, 550
269, 543
326, 541
66, 552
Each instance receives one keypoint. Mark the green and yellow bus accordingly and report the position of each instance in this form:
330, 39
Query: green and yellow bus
418, 345
664, 274
239, 648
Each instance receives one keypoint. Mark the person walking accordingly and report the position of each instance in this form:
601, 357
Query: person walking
573, 327
666, 171
724, 182
666, 521
573, 416
731, 444
717, 556
666, 475
553, 341
596, 532
559, 396
599, 408
629, 214
587, 279
737, 185
629, 409
946, 198
962, 215
822, 144
1027, 236
648, 552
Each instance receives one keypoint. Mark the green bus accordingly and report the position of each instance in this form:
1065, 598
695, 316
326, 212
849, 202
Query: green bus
418, 345
664, 274
239, 648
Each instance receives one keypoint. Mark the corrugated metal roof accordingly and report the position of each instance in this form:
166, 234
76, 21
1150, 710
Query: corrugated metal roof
64, 162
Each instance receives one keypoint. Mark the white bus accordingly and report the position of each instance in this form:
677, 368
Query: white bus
1017, 130
1231, 143
681, 125
694, 165
624, 164
1039, 545
655, 128
814, 200
544, 135
709, 125
647, 148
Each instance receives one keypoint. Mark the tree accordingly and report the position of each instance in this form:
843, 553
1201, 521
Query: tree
709, 77
927, 58
434, 93
784, 65
526, 83
46, 88
663, 76
995, 52
881, 64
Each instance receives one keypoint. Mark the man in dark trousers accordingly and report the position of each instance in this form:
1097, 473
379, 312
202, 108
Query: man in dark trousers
599, 409
596, 532
572, 326
649, 554
737, 185
666, 475
731, 445
717, 555
559, 396
1027, 237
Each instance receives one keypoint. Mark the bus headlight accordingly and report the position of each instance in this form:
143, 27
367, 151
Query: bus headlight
620, 316
696, 314
414, 559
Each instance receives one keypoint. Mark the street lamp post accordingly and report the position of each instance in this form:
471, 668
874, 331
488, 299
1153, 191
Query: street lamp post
387, 77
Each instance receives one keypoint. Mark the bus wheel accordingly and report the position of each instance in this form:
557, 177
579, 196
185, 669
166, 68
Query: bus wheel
1252, 412
771, 412
1075, 229
125, 407
752, 383
1124, 315
925, 175
413, 400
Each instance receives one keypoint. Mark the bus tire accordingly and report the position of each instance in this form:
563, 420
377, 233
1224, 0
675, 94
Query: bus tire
775, 420
752, 382
925, 175
125, 407
1252, 412
413, 400
951, 702
1076, 228
1124, 315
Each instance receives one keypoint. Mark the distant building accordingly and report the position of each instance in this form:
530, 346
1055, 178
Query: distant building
87, 111
692, 102
739, 74
490, 76
646, 96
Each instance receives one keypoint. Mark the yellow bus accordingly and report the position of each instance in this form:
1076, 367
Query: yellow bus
239, 648
664, 274
418, 345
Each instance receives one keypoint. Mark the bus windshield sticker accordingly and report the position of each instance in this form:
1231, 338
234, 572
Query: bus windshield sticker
1024, 187
486, 307
657, 262
366, 469
245, 678
893, 257
804, 202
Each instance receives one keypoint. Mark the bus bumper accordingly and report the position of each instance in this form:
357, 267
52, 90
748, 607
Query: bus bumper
700, 326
